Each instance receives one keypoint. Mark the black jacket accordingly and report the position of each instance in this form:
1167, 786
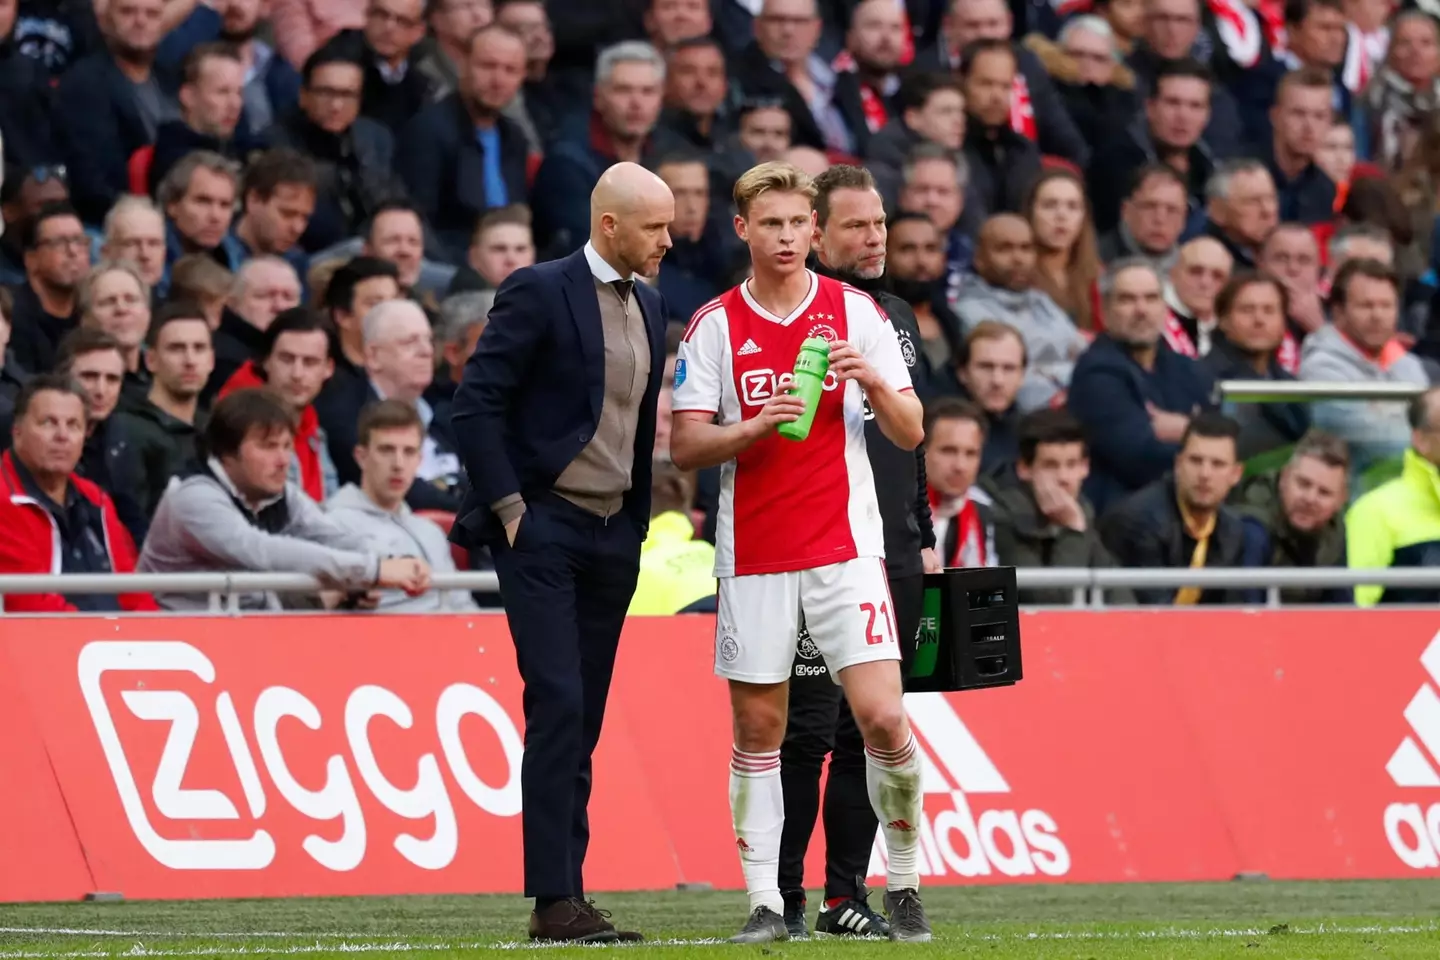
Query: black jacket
237, 342
176, 138
162, 446
899, 474
1026, 538
1110, 176
1307, 199
35, 334
1145, 530
1002, 438
1109, 392
757, 78
440, 161
392, 104
108, 460
1263, 426
97, 126
1003, 166
25, 109
353, 172
1055, 130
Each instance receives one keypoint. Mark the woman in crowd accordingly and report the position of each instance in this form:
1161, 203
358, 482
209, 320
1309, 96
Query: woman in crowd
1067, 259
1404, 91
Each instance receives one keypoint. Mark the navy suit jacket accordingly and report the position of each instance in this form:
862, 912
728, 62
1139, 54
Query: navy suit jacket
531, 393
98, 127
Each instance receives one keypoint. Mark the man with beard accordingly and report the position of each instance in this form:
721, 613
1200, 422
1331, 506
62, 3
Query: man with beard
915, 264
111, 104
867, 70
57, 256
1301, 511
1133, 397
352, 153
271, 84
1003, 163
1003, 288
462, 156
164, 426
849, 245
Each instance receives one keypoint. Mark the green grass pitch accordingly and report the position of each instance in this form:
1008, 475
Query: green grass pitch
1250, 919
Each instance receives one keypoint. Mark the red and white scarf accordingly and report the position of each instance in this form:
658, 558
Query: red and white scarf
974, 544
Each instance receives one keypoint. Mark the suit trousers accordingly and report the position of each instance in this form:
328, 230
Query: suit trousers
820, 723
566, 584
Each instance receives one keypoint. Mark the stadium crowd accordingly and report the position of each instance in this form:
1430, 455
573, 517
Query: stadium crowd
249, 244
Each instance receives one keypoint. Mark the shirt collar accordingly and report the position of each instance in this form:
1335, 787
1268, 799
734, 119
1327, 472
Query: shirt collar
27, 482
392, 75
422, 406
260, 56
600, 269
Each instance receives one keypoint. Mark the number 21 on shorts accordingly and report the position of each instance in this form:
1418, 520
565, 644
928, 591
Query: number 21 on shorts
878, 628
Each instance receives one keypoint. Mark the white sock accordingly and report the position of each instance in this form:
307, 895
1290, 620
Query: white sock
892, 779
757, 809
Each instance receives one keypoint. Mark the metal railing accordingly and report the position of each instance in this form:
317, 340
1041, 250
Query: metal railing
1088, 585
1293, 391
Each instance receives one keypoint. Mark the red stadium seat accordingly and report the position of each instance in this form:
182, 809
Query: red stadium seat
137, 168
445, 520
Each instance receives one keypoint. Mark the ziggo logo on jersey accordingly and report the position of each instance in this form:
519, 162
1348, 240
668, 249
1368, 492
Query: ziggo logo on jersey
338, 799
757, 386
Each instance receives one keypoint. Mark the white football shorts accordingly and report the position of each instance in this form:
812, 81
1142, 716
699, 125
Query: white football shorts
846, 607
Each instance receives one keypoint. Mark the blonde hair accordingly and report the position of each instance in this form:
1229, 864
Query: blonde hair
85, 293
777, 176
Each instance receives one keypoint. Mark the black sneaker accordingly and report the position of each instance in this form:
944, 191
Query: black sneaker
908, 923
795, 921
764, 926
853, 918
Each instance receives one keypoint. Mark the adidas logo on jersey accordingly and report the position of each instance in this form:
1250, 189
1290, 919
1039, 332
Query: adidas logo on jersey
1412, 829
953, 838
749, 348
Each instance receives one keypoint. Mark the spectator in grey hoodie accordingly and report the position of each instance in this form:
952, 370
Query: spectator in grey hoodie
238, 512
1003, 289
391, 438
1359, 346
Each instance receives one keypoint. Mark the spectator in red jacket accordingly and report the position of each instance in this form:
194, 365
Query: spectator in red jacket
52, 520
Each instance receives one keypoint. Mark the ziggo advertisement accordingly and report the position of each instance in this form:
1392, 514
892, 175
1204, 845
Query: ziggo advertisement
276, 757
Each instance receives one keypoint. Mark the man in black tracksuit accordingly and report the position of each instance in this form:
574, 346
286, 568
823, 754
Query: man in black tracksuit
850, 246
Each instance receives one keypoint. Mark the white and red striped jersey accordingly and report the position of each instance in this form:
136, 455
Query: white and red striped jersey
787, 505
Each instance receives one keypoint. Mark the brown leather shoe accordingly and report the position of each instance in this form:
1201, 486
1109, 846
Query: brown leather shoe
624, 936
571, 921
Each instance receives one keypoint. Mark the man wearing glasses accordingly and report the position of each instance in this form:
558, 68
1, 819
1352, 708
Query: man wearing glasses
352, 153
57, 256
395, 88
21, 197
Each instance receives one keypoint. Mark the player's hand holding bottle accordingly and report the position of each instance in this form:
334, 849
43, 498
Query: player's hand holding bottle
781, 408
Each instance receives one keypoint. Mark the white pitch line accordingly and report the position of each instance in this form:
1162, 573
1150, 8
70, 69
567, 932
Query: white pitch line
349, 945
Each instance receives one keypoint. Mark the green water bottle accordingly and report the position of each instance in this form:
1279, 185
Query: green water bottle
808, 384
